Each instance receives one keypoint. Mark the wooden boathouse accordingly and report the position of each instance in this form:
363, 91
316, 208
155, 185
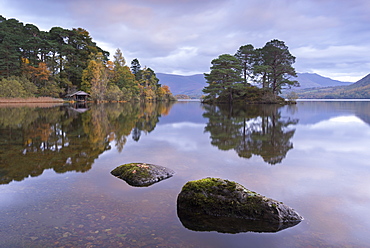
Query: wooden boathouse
79, 96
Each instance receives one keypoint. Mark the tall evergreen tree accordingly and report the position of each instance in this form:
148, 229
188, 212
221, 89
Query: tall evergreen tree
246, 55
119, 60
136, 69
31, 47
123, 77
11, 43
277, 65
57, 38
224, 77
79, 48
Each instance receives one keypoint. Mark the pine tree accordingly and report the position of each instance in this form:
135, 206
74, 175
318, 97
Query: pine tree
136, 69
224, 77
276, 63
245, 55
123, 77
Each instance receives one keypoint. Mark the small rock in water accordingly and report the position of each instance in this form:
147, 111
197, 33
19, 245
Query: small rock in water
142, 174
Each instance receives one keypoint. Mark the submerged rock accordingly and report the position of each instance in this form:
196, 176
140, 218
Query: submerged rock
208, 203
142, 174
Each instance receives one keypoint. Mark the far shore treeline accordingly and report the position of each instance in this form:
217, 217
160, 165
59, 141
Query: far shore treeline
59, 62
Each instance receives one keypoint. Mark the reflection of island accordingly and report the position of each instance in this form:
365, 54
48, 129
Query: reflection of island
35, 139
250, 130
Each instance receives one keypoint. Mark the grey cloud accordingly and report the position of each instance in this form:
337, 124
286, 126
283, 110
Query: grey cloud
183, 36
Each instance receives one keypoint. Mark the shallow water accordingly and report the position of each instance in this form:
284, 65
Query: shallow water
57, 191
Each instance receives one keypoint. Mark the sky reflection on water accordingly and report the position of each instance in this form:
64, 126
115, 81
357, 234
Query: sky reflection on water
324, 177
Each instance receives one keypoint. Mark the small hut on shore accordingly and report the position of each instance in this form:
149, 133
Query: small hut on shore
79, 96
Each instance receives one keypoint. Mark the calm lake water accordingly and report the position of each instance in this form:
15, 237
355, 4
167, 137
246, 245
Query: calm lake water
56, 189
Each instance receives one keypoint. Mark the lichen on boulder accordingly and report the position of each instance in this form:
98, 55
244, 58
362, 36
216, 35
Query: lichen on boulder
222, 198
142, 174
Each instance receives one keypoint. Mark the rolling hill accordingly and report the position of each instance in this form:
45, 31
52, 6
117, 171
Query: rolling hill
358, 90
312, 80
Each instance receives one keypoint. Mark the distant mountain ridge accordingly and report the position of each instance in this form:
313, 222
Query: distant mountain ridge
186, 85
194, 84
358, 90
311, 80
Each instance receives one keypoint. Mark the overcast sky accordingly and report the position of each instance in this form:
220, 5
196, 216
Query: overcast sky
328, 37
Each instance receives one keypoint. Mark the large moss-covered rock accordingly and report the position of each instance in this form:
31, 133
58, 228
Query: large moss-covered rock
229, 200
142, 174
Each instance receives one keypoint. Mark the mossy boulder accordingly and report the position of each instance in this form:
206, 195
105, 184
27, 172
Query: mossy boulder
229, 200
142, 174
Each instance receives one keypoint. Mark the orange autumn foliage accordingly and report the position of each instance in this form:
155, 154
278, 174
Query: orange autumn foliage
37, 75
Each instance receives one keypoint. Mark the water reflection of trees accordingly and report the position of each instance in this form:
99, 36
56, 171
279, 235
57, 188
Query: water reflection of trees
63, 139
251, 130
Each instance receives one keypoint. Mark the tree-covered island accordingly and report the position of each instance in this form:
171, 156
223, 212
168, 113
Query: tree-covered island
58, 62
252, 75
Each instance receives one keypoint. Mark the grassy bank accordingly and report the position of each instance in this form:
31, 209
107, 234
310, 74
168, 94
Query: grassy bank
31, 100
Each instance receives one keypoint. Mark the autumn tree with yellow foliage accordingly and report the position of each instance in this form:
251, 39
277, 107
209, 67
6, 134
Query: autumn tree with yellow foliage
114, 81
